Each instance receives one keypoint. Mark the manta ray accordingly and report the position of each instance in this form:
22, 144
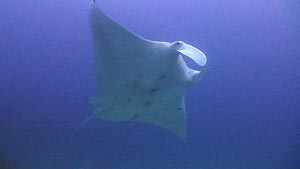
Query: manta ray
138, 79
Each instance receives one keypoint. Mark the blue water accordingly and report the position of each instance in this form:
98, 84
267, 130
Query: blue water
244, 114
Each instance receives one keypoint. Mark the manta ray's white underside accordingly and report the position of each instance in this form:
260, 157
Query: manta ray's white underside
138, 79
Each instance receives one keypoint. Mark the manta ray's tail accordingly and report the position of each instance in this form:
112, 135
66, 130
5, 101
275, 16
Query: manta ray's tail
81, 125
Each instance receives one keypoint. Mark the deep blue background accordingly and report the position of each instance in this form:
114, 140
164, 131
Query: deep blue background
244, 114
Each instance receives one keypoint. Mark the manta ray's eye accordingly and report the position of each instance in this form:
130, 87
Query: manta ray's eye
177, 43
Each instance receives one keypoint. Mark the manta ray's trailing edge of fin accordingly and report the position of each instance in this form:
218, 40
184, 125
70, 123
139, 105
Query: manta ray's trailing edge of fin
138, 79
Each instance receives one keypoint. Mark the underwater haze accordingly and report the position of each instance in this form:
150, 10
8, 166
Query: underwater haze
243, 114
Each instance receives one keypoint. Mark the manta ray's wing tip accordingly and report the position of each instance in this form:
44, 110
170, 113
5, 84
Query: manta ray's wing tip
92, 2
93, 5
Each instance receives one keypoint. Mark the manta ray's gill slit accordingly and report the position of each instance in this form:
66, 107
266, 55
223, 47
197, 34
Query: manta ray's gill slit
104, 111
134, 117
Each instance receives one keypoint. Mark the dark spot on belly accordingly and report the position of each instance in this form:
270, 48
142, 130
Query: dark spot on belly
154, 90
179, 108
135, 85
162, 77
148, 103
129, 100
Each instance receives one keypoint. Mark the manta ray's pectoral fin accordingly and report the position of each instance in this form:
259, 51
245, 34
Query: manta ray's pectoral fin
169, 115
109, 37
